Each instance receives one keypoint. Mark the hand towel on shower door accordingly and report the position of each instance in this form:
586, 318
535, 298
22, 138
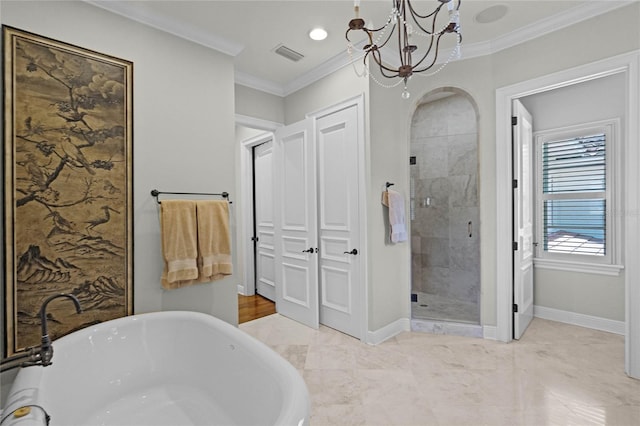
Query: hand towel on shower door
179, 243
395, 202
214, 241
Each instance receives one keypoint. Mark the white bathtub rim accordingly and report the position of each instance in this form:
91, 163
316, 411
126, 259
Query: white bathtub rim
24, 390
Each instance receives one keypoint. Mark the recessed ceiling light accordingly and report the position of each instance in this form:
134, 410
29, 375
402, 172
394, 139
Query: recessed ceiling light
491, 14
318, 34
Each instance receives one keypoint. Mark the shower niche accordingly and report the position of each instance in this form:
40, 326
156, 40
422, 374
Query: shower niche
444, 210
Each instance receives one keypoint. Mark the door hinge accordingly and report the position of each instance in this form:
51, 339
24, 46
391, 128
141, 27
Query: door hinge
514, 183
515, 245
514, 121
515, 308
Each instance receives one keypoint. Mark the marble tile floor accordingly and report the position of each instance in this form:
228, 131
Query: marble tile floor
557, 374
440, 308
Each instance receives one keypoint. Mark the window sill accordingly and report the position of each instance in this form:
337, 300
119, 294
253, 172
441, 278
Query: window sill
587, 268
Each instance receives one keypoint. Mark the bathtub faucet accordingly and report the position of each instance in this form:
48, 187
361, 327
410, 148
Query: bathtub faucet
38, 355
46, 349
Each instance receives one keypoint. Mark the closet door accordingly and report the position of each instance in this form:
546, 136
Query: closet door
263, 218
296, 223
341, 301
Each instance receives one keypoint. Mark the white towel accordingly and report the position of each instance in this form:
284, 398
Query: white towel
395, 202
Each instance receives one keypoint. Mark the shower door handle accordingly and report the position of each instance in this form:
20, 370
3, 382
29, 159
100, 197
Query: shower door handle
469, 228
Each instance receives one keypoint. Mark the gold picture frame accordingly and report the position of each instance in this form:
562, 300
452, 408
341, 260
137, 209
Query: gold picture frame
68, 186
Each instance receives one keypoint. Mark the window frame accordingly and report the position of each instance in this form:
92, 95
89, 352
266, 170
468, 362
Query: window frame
609, 264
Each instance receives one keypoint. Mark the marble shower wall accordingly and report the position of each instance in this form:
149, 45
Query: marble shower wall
445, 255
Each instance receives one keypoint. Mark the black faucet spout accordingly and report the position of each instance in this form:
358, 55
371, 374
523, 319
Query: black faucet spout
46, 350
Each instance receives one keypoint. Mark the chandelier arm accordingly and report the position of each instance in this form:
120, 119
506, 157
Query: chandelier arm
346, 35
414, 13
403, 44
386, 41
435, 57
433, 21
427, 53
389, 20
377, 57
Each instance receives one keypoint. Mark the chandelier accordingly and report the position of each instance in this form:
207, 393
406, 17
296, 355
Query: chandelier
408, 25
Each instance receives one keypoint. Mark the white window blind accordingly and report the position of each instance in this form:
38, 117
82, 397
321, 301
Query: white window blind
574, 195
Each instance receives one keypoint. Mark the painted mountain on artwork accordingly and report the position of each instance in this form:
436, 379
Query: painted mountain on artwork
34, 268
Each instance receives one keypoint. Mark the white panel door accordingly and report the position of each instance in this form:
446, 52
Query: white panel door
263, 219
522, 219
296, 223
340, 253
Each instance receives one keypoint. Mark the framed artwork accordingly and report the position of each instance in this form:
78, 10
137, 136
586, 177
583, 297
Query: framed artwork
67, 186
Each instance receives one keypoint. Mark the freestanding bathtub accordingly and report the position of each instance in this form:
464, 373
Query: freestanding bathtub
163, 368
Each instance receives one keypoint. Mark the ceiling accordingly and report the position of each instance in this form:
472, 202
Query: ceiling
251, 30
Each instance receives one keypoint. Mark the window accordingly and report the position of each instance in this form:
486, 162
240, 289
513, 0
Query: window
575, 194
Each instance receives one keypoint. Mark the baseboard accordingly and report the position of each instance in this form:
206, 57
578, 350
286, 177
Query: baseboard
388, 331
490, 332
588, 321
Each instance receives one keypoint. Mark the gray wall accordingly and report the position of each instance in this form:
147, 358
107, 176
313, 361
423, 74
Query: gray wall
184, 137
589, 294
254, 103
192, 148
480, 77
388, 119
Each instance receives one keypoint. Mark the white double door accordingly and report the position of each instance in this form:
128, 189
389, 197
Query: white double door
316, 222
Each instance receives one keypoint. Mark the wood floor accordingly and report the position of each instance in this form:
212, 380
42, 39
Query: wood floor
254, 307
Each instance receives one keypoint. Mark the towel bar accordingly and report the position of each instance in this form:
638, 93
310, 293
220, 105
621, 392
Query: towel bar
155, 193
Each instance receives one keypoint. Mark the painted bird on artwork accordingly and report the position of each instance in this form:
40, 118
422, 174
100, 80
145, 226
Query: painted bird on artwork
74, 153
106, 217
74, 117
60, 222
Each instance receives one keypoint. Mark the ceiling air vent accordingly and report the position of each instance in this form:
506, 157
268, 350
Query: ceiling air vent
292, 55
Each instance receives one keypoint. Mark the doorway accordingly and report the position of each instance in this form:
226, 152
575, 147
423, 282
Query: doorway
628, 65
318, 199
444, 209
333, 250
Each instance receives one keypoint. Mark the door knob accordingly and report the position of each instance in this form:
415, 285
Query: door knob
308, 251
354, 251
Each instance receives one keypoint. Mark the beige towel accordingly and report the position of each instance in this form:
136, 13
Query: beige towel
179, 243
395, 202
214, 241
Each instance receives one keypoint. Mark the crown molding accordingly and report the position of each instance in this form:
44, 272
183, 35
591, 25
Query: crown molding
161, 23
556, 22
328, 67
261, 84
514, 38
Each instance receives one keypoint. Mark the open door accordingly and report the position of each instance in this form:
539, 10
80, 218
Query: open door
296, 251
523, 250
263, 220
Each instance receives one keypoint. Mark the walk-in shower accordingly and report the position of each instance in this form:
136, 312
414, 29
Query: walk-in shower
444, 209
